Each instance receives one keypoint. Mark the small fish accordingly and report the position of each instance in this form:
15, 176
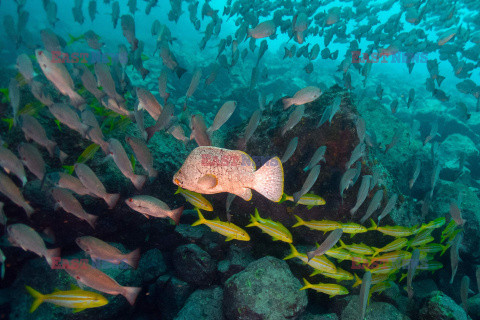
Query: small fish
25, 67
94, 133
96, 279
147, 101
15, 97
353, 228
392, 201
358, 248
373, 206
9, 189
456, 214
361, 129
163, 120
104, 78
32, 159
433, 133
162, 86
228, 229
395, 245
321, 225
326, 245
340, 275
310, 200
395, 139
23, 236
416, 173
454, 257
251, 126
69, 117
362, 193
414, 261
128, 29
91, 183
197, 75
143, 154
464, 288
347, 181
33, 130
199, 130
334, 108
11, 164
98, 249
328, 288
223, 114
65, 200
212, 170
357, 153
394, 231
318, 156
292, 146
308, 184
195, 199
293, 119
76, 299
270, 227
150, 206
117, 152
263, 30
339, 254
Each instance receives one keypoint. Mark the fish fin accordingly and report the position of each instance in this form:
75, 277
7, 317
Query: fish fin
131, 293
315, 272
307, 284
176, 214
293, 254
133, 258
179, 190
299, 223
374, 225
208, 181
253, 222
92, 219
310, 207
78, 310
229, 238
268, 180
358, 281
284, 198
287, 102
37, 296
342, 244
111, 199
201, 219
52, 253
138, 181
244, 193
73, 287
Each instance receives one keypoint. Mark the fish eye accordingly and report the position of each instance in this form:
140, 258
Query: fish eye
177, 181
130, 200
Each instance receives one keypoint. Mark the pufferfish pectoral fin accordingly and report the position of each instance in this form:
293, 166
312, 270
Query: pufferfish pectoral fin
244, 193
208, 181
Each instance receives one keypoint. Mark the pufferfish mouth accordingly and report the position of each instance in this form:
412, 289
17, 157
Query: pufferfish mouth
176, 181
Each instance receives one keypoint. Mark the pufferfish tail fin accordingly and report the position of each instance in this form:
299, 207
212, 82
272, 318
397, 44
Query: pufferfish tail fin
268, 180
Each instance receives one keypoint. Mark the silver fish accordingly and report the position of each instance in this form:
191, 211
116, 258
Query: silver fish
223, 114
94, 186
178, 133
66, 181
362, 193
364, 293
25, 67
326, 245
347, 180
150, 206
316, 158
292, 146
128, 28
148, 102
89, 82
412, 267
23, 236
357, 153
64, 199
335, 107
11, 164
251, 126
456, 214
308, 184
395, 139
416, 173
162, 85
199, 130
14, 95
294, 118
117, 152
95, 133
163, 120
373, 206
454, 258
389, 207
193, 85
375, 177
66, 115
105, 80
434, 178
433, 133
361, 129
32, 159
143, 154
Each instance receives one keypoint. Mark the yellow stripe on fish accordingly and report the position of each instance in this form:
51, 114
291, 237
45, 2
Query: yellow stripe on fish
76, 299
359, 248
396, 244
339, 253
353, 228
328, 288
227, 229
321, 225
318, 262
270, 227
310, 200
195, 199
340, 275
394, 231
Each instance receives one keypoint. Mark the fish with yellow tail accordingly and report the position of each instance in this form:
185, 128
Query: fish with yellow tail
310, 200
395, 231
328, 288
195, 199
227, 229
211, 170
270, 227
76, 299
396, 244
321, 225
340, 275
320, 263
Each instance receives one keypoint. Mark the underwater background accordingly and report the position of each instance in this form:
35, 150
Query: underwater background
240, 159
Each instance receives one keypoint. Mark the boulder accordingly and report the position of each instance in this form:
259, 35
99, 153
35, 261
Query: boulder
266, 289
375, 311
439, 306
203, 305
168, 295
194, 265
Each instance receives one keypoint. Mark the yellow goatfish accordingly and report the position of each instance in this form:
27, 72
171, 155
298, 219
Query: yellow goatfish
77, 299
227, 229
195, 199
321, 225
310, 200
270, 227
328, 288
211, 170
